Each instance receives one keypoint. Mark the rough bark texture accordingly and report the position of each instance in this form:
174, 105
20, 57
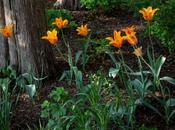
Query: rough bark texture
27, 52
3, 41
69, 4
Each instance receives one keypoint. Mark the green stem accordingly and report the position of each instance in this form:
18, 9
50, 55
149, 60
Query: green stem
70, 61
140, 65
128, 86
64, 39
61, 54
123, 62
85, 48
152, 46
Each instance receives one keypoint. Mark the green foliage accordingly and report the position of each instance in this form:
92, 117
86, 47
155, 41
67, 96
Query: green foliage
106, 5
136, 5
168, 107
164, 25
5, 104
55, 109
100, 46
109, 5
143, 127
65, 14
82, 111
12, 85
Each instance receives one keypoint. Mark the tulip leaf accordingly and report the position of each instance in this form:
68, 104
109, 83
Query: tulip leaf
150, 57
139, 73
148, 84
31, 90
159, 63
113, 72
168, 79
138, 85
77, 56
170, 102
63, 76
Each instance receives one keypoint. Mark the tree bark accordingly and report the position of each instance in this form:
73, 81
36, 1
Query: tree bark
27, 52
3, 41
69, 4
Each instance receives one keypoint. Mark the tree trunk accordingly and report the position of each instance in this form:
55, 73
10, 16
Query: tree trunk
69, 4
27, 52
3, 41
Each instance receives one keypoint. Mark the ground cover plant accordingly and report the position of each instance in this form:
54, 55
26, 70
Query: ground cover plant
112, 75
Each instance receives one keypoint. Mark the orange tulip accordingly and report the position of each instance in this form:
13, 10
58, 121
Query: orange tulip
148, 13
60, 23
7, 31
117, 40
138, 52
129, 30
51, 37
130, 35
83, 30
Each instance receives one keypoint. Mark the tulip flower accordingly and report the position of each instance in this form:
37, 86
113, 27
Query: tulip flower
148, 13
138, 52
130, 35
7, 31
83, 30
51, 37
117, 40
60, 23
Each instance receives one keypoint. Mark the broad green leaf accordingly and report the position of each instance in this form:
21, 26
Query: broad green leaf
77, 56
150, 57
159, 63
63, 76
170, 102
31, 89
138, 85
148, 84
168, 79
139, 73
113, 72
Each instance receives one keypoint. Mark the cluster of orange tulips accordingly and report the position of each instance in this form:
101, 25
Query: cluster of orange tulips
117, 40
60, 23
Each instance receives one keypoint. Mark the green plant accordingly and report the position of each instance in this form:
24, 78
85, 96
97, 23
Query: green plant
100, 46
5, 104
106, 5
143, 81
55, 109
11, 85
7, 87
168, 107
143, 127
73, 71
163, 27
85, 110
82, 55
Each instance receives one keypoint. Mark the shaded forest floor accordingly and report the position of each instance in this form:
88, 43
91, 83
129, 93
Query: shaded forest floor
28, 113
